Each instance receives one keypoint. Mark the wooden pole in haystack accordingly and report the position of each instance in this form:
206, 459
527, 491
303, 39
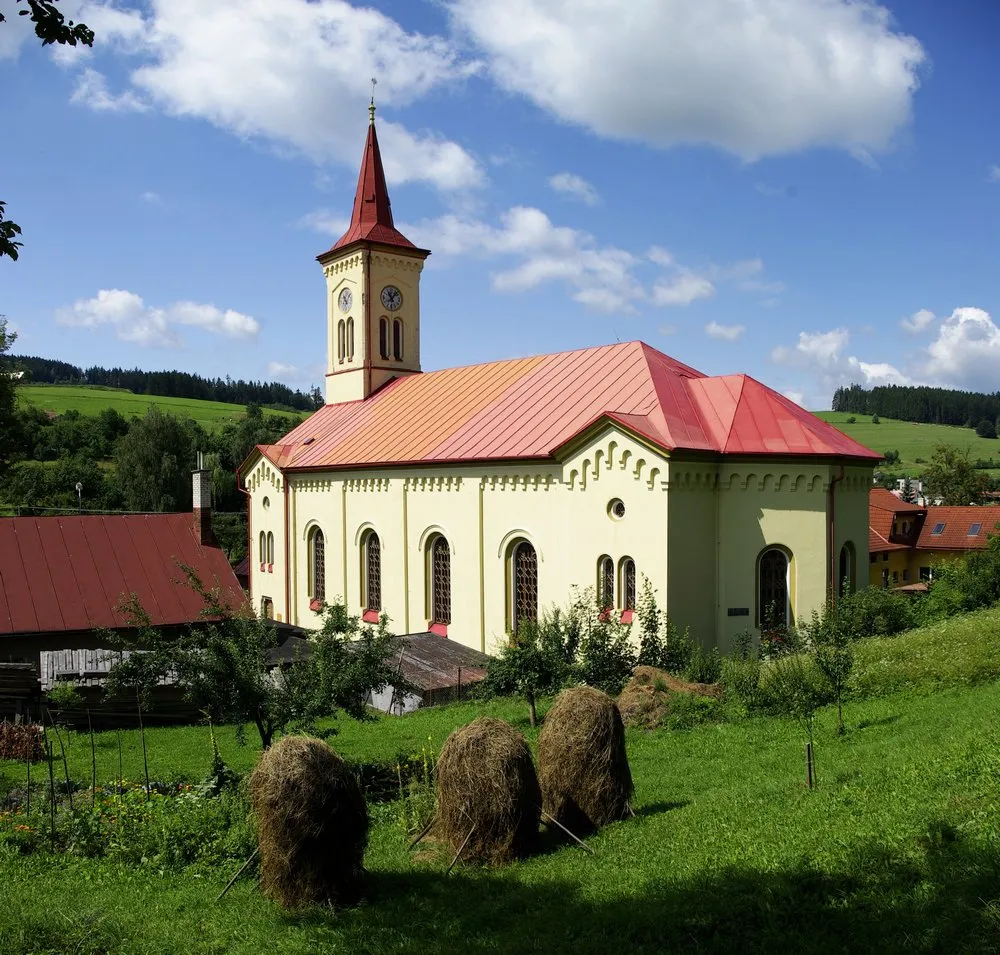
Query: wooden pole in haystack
575, 838
242, 869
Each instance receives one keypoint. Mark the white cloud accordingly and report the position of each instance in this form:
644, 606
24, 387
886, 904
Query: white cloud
994, 174
756, 78
821, 356
134, 321
91, 90
322, 220
660, 256
966, 352
682, 289
917, 322
294, 73
797, 396
576, 187
725, 333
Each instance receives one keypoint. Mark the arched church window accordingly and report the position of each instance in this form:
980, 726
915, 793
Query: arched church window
270, 548
262, 549
522, 599
341, 340
440, 580
606, 583
627, 585
397, 339
317, 565
371, 572
350, 339
773, 603
383, 338
845, 576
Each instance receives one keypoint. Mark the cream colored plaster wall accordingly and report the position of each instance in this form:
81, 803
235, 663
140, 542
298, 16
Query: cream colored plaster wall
266, 485
851, 521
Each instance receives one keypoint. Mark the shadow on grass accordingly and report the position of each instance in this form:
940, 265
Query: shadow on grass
869, 724
655, 808
879, 902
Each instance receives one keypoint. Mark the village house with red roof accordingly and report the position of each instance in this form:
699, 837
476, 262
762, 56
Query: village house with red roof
466, 500
906, 541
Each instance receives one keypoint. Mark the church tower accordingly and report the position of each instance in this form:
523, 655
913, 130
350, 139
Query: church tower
372, 291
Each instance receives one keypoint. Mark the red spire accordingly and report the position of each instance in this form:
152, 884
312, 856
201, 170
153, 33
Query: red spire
371, 220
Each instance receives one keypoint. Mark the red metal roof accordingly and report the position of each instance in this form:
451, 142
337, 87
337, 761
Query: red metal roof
69, 573
528, 408
958, 521
371, 218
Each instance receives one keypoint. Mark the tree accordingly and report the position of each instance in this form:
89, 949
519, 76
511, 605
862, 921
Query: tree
909, 495
8, 396
986, 429
951, 477
153, 462
224, 666
51, 26
875, 419
829, 638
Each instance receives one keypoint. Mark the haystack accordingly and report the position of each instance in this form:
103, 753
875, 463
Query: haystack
645, 701
582, 766
312, 824
487, 793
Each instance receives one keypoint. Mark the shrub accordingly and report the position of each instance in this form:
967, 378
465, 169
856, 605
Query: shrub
986, 429
851, 420
874, 612
21, 741
875, 419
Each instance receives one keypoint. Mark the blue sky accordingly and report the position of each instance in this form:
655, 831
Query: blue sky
803, 190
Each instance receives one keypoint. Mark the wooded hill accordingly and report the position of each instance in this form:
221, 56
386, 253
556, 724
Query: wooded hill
919, 403
167, 384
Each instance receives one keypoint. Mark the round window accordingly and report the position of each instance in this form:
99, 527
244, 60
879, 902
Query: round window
266, 503
616, 509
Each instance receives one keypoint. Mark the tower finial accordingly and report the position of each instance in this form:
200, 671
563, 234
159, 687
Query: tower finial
371, 106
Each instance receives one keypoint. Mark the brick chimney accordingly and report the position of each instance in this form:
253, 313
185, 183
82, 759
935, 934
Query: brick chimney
201, 485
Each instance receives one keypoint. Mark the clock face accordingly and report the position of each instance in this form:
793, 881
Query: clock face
392, 298
345, 299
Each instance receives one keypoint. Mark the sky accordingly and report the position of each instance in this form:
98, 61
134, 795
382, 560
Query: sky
806, 191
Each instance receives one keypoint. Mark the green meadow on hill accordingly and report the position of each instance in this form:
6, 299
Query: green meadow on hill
913, 440
898, 849
89, 400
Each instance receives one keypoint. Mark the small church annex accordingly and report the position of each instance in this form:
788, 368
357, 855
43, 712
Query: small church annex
466, 500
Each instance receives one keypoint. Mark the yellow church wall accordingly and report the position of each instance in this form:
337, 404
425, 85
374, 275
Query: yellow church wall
265, 485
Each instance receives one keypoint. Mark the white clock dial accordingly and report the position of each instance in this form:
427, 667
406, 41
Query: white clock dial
345, 300
392, 298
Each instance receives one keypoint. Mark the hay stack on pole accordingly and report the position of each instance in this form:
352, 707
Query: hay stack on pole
312, 824
582, 765
488, 800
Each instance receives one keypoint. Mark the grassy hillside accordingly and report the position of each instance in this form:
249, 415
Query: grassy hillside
912, 440
91, 401
896, 851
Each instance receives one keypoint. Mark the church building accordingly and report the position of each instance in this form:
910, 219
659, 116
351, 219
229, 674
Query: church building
464, 501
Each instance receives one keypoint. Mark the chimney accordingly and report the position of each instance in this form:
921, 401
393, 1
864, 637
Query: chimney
201, 486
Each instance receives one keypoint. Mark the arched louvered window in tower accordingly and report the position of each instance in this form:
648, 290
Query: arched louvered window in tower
397, 339
350, 339
606, 583
383, 338
371, 563
440, 581
627, 591
523, 598
317, 565
341, 340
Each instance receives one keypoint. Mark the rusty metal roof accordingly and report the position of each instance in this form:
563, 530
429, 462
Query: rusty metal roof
69, 573
529, 408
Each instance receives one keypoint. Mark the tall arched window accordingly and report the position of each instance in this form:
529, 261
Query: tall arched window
523, 585
371, 572
627, 586
317, 565
350, 339
439, 560
270, 548
383, 338
341, 340
262, 549
845, 575
606, 583
397, 339
773, 603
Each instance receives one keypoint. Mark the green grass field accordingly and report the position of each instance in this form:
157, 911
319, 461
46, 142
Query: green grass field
897, 850
912, 440
91, 401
